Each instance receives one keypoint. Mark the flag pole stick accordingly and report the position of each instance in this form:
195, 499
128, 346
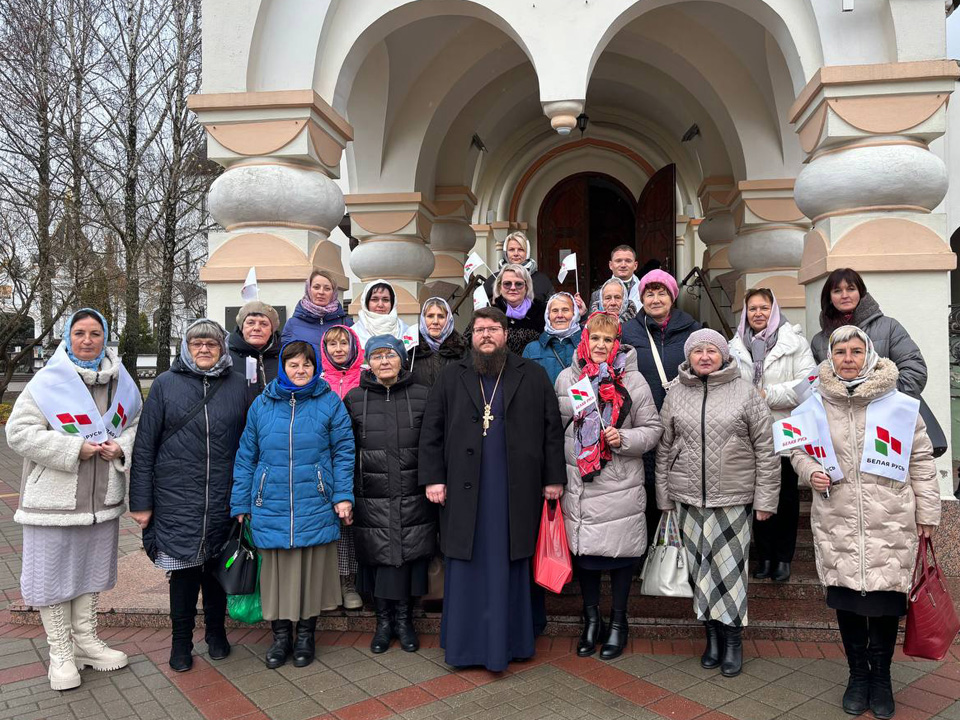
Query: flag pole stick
576, 278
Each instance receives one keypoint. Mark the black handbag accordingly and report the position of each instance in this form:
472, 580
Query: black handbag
236, 566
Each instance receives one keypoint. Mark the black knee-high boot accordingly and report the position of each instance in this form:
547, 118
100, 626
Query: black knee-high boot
732, 659
711, 655
403, 626
882, 642
304, 647
282, 647
854, 633
214, 614
184, 591
383, 633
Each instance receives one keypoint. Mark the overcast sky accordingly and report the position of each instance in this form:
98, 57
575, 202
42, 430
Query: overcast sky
953, 36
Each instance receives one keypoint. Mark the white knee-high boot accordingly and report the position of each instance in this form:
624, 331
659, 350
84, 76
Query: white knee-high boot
88, 649
63, 673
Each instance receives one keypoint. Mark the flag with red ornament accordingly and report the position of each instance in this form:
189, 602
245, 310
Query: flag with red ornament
796, 431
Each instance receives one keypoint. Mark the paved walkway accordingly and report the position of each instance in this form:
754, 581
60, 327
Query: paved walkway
656, 679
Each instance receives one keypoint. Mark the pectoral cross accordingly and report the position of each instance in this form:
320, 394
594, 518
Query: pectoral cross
487, 419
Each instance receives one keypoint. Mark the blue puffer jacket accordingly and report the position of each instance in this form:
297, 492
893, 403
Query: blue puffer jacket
304, 326
304, 449
551, 353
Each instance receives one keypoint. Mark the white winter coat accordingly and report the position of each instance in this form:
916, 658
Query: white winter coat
786, 364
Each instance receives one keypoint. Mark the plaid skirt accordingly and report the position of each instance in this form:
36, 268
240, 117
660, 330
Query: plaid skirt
346, 555
716, 542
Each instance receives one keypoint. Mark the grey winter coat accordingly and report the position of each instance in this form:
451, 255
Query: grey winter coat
606, 516
57, 487
890, 339
865, 534
717, 446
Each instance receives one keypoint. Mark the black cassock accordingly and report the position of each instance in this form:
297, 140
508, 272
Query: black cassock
494, 484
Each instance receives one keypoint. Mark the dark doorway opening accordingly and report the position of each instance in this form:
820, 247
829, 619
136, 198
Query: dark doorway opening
589, 214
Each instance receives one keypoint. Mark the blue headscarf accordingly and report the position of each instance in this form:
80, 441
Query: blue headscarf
286, 383
573, 329
86, 364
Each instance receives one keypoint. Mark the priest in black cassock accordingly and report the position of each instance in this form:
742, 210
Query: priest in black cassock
491, 449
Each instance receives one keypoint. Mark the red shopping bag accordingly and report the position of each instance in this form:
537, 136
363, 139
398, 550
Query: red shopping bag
932, 621
551, 563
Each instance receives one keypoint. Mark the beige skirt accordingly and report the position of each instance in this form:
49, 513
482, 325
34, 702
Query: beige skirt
299, 583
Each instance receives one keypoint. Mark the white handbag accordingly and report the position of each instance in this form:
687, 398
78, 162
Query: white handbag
665, 569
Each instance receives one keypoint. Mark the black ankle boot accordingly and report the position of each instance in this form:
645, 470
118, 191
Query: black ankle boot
883, 640
282, 646
384, 630
403, 626
711, 655
593, 630
617, 638
181, 655
853, 632
763, 570
781, 573
305, 646
732, 659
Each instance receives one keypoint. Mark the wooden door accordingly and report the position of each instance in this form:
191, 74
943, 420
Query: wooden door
564, 224
657, 219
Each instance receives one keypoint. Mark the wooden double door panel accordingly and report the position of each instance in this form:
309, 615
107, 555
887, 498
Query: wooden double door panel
592, 213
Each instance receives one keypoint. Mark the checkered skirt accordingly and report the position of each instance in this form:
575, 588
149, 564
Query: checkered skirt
716, 542
346, 554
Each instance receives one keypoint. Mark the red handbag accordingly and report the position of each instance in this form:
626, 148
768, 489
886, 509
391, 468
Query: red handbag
932, 622
551, 563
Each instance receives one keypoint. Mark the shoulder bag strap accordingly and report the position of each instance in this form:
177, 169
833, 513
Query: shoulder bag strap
656, 357
193, 412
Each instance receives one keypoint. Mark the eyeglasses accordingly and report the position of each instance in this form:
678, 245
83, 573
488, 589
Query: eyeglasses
384, 357
514, 285
203, 344
487, 330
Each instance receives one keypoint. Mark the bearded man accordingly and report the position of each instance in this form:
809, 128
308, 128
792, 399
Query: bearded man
491, 448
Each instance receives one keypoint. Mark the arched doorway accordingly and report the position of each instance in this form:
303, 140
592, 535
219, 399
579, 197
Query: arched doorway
590, 214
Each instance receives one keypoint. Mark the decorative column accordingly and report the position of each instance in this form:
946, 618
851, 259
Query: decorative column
871, 186
716, 232
277, 200
393, 230
768, 246
452, 238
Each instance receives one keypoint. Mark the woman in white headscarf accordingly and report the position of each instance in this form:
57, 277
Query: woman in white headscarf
615, 298
876, 491
378, 313
440, 343
516, 251
775, 357
554, 349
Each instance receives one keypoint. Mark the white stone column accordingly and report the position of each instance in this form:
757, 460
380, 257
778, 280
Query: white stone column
768, 246
452, 238
871, 186
394, 231
276, 200
717, 231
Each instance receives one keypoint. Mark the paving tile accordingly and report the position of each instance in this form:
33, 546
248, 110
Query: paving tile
923, 700
295, 710
951, 712
746, 708
640, 692
779, 697
671, 679
446, 685
709, 695
816, 709
338, 697
383, 683
406, 699
742, 684
764, 669
677, 707
273, 695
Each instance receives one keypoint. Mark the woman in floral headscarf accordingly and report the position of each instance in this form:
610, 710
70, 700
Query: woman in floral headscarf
318, 310
604, 502
555, 347
440, 343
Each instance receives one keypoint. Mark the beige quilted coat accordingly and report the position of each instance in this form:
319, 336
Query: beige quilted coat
717, 448
865, 534
605, 517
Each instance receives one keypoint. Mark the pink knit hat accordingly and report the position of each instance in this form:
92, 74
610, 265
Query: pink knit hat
662, 277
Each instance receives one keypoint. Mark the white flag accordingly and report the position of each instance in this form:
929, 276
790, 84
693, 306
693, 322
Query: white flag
804, 388
581, 395
480, 299
569, 263
250, 291
473, 262
411, 338
794, 432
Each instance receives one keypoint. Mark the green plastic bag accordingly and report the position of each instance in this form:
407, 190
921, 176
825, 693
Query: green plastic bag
247, 608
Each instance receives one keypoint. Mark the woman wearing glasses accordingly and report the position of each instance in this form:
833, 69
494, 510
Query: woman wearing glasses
395, 526
513, 294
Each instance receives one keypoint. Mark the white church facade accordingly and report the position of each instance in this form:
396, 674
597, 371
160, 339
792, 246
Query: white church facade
766, 142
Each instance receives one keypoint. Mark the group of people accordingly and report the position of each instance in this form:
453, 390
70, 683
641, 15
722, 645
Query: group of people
354, 459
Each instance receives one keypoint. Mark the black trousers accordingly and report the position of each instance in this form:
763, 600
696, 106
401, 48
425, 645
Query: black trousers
185, 586
776, 538
620, 580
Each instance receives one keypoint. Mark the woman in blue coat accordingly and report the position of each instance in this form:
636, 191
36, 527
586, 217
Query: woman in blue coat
554, 349
317, 311
293, 477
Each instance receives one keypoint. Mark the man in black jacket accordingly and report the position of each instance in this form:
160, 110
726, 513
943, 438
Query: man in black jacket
491, 448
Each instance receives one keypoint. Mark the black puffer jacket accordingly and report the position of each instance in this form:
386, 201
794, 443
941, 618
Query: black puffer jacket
268, 360
393, 520
427, 364
186, 481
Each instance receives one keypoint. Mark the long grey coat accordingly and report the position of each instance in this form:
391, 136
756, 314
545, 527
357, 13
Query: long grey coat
890, 339
606, 517
717, 444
